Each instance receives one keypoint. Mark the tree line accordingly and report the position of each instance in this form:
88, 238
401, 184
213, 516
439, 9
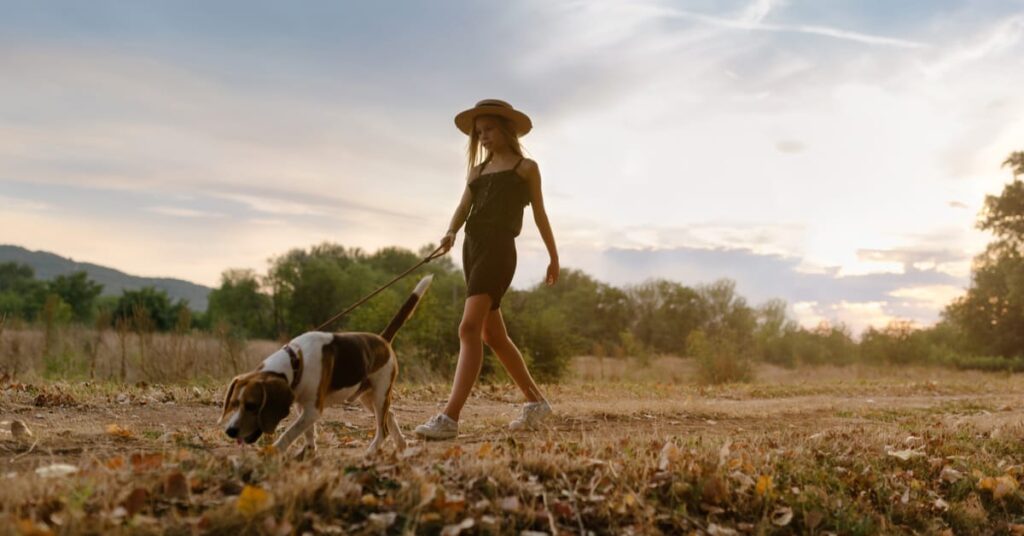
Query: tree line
580, 315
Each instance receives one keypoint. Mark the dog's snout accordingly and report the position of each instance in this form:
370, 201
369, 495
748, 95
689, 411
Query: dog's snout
232, 432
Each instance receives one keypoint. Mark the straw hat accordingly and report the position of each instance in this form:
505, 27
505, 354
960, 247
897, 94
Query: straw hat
520, 121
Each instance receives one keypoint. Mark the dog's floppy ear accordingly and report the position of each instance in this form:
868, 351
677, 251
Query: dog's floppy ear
277, 401
227, 398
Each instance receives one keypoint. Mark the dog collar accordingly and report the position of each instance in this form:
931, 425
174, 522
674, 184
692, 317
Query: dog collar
296, 361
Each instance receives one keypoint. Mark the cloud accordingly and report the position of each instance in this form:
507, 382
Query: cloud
856, 316
1003, 36
790, 146
752, 19
15, 204
181, 212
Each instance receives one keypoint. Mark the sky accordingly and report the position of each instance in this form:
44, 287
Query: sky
835, 154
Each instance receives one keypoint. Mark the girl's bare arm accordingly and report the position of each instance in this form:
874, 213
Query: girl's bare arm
461, 213
540, 217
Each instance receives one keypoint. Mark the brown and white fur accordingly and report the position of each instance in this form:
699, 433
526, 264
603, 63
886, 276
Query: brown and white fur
333, 367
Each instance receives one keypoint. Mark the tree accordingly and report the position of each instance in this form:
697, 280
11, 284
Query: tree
21, 294
1016, 163
991, 314
149, 306
239, 303
79, 292
664, 314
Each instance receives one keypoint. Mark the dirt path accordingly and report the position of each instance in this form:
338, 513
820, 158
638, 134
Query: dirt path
73, 434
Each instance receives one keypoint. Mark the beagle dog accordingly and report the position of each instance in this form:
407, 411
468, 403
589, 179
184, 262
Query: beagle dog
316, 369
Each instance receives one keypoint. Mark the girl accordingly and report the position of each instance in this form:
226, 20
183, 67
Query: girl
496, 192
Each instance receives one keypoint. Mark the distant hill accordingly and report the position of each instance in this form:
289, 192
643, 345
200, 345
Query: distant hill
48, 265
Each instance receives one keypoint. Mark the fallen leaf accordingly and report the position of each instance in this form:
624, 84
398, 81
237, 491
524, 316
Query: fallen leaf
724, 453
455, 530
905, 454
718, 530
746, 482
56, 470
454, 451
782, 516
940, 505
486, 450
381, 521
669, 454
253, 500
950, 475
135, 501
176, 486
409, 452
451, 503
813, 518
509, 504
764, 485
1000, 486
119, 431
145, 462
284, 528
562, 509
715, 490
27, 527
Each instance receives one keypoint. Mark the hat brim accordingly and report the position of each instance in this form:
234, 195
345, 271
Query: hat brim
520, 121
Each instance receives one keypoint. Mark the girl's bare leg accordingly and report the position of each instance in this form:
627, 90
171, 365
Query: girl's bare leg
471, 352
497, 338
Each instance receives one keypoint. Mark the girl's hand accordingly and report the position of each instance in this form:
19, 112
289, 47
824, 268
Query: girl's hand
552, 276
447, 241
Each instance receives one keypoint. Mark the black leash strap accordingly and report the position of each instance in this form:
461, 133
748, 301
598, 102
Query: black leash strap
433, 255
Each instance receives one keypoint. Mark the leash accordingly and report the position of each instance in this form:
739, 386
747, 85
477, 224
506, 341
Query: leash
433, 255
296, 357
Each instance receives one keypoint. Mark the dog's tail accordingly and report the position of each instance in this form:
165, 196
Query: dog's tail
407, 308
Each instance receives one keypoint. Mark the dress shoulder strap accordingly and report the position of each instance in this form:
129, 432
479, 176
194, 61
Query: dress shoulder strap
515, 167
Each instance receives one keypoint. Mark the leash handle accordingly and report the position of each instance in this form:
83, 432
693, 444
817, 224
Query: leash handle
433, 255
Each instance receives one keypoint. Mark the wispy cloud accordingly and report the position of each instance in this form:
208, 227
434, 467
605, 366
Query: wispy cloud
182, 212
752, 18
1004, 35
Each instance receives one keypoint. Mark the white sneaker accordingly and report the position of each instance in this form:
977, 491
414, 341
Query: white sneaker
533, 414
439, 426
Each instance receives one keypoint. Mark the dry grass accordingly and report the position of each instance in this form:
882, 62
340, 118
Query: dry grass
849, 451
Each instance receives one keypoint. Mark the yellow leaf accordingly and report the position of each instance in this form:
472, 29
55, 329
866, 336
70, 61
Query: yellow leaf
629, 500
1004, 486
485, 451
117, 430
454, 451
764, 485
369, 500
253, 500
987, 483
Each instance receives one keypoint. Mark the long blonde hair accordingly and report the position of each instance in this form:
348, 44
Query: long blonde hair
475, 152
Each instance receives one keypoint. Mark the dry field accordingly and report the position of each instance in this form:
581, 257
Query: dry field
631, 450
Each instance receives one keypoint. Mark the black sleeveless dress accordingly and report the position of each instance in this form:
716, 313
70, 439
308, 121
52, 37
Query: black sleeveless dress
495, 220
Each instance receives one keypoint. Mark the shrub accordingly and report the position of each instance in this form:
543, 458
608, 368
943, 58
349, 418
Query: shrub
719, 359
